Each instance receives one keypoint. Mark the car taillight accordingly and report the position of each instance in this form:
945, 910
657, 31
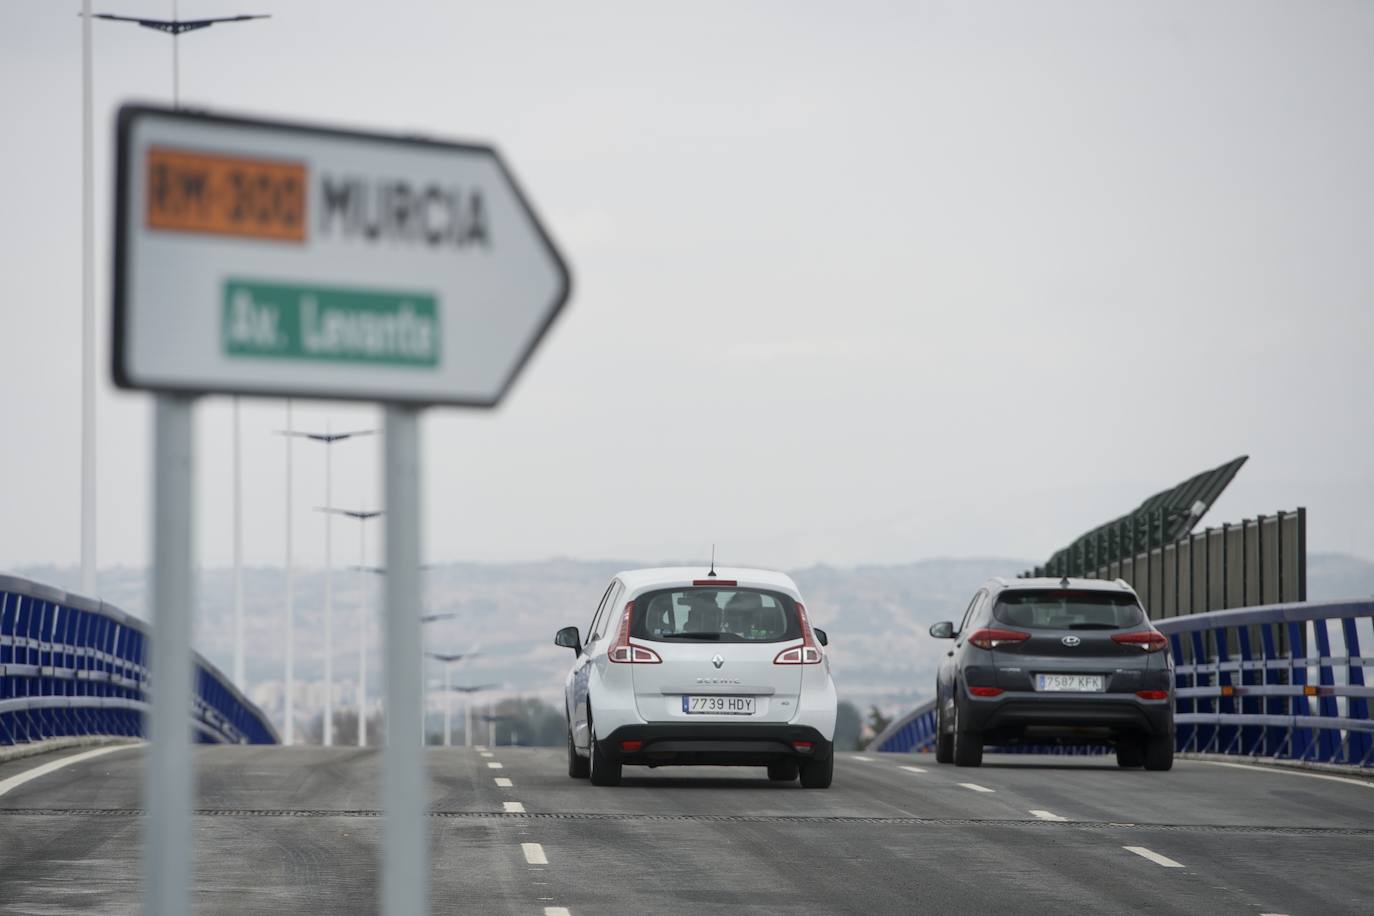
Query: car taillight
631, 745
627, 653
1147, 640
991, 638
1152, 694
802, 747
985, 691
808, 653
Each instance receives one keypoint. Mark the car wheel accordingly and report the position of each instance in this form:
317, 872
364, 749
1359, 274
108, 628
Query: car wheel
782, 770
1159, 752
578, 766
968, 745
817, 774
603, 770
1130, 752
944, 739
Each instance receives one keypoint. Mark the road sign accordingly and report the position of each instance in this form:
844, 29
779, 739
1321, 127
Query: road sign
256, 257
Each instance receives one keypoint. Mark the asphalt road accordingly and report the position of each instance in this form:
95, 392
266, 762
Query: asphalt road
295, 830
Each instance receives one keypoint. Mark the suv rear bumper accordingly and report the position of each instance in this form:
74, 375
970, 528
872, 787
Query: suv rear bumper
710, 744
1037, 715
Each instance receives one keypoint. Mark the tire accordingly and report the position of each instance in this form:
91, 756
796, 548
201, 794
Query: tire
817, 774
579, 767
1130, 753
1159, 752
783, 771
602, 769
968, 745
944, 740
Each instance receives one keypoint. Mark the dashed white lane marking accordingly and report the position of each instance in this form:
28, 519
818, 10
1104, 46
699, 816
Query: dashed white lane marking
912, 769
1153, 856
479, 747
487, 754
514, 807
1047, 815
18, 780
1366, 783
534, 854
975, 787
495, 766
864, 759
556, 911
503, 782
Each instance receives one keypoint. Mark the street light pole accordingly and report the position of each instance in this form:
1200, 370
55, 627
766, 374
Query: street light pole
88, 558
328, 439
448, 659
290, 598
361, 516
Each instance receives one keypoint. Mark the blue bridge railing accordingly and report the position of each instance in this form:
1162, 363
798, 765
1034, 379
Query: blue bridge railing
73, 667
1283, 681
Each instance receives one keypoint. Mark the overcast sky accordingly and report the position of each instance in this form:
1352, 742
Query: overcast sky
854, 283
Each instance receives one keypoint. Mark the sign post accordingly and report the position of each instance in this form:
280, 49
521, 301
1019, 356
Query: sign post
284, 260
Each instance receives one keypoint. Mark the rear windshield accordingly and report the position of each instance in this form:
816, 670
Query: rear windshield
1052, 609
715, 615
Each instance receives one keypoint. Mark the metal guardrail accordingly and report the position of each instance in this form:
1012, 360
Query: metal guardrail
73, 666
1259, 682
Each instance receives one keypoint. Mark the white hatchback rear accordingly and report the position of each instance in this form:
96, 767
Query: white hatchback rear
683, 668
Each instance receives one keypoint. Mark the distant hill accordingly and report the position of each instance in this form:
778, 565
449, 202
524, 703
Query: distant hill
877, 617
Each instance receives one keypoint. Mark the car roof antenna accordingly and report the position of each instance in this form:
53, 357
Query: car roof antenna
712, 573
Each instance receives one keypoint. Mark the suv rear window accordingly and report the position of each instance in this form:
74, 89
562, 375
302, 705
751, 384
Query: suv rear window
715, 615
1054, 609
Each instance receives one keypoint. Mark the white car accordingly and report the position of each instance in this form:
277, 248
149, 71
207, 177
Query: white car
681, 667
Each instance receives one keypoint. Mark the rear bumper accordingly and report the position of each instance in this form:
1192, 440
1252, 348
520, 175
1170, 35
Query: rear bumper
1033, 715
710, 744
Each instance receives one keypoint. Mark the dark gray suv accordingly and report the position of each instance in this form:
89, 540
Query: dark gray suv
1071, 661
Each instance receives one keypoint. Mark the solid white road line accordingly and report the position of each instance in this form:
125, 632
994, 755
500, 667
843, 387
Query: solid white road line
975, 787
1153, 856
1047, 815
514, 807
534, 854
912, 769
53, 765
1286, 771
503, 782
495, 766
556, 911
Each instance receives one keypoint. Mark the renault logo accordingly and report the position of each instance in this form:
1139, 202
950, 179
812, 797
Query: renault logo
1071, 641
717, 660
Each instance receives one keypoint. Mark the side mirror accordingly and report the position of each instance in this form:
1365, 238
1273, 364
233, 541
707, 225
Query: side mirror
820, 636
942, 630
568, 639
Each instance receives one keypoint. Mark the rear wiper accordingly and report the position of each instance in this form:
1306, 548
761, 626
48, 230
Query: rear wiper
706, 636
1093, 626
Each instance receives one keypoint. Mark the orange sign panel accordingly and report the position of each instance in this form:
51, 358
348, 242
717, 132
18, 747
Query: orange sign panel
226, 195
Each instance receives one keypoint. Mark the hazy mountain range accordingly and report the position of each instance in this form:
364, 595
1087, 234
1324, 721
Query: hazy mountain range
876, 616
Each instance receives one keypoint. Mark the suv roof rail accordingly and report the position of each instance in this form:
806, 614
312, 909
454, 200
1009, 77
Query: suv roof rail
999, 580
1122, 582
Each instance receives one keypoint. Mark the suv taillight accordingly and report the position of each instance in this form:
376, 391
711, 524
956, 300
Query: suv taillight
991, 638
625, 652
808, 653
1147, 640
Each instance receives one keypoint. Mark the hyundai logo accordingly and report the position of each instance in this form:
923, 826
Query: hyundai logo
717, 660
1071, 641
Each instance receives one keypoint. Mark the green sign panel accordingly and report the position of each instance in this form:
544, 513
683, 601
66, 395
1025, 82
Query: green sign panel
282, 321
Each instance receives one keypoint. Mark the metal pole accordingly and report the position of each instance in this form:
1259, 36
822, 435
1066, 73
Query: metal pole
290, 730
362, 639
448, 705
168, 788
328, 595
238, 552
88, 558
467, 720
491, 727
405, 865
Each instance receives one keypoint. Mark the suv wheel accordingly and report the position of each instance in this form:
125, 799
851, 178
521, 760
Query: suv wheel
603, 770
1159, 752
578, 766
1130, 752
817, 774
968, 745
782, 770
944, 739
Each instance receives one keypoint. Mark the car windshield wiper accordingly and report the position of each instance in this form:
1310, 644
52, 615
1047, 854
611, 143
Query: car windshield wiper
704, 636
1093, 626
